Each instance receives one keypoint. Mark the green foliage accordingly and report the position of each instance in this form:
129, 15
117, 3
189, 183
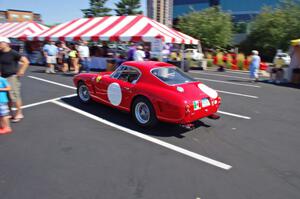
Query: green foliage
212, 26
128, 7
274, 28
210, 62
97, 9
240, 27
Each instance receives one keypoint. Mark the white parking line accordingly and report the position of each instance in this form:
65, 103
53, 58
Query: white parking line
220, 75
238, 94
230, 71
226, 82
47, 101
63, 85
52, 82
235, 115
148, 138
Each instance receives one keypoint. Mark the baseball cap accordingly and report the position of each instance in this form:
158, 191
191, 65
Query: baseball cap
5, 40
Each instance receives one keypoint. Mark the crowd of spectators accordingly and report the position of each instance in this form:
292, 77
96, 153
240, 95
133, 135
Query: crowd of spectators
76, 57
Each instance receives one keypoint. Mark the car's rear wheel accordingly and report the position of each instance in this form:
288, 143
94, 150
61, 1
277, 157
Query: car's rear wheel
143, 112
83, 93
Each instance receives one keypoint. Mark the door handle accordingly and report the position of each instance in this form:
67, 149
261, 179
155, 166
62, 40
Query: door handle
126, 88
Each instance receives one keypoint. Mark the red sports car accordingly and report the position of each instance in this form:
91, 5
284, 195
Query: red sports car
151, 92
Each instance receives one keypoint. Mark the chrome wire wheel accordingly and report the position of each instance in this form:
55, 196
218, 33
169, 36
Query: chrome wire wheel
142, 113
83, 93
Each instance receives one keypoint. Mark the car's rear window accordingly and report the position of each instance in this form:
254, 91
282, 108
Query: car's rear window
171, 76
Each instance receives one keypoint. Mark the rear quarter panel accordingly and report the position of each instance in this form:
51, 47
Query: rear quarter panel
168, 104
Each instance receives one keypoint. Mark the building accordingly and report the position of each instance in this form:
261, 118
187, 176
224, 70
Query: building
161, 11
241, 10
182, 7
245, 10
19, 16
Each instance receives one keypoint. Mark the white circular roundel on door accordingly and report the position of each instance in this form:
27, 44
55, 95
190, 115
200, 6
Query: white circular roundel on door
114, 94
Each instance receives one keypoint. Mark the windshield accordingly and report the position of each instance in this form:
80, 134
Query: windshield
171, 76
282, 55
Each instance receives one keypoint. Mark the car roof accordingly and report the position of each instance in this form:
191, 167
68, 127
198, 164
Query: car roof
147, 65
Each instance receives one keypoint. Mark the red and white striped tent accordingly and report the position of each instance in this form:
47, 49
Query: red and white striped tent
19, 29
113, 28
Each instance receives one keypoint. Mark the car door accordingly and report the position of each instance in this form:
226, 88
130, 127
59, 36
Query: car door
118, 88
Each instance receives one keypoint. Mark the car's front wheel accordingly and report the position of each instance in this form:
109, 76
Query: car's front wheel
143, 112
83, 93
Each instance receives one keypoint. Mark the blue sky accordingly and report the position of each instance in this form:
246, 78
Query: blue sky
54, 11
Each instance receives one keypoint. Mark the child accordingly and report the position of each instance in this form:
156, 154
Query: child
4, 111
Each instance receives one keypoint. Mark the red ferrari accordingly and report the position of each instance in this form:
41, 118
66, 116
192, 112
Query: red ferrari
151, 92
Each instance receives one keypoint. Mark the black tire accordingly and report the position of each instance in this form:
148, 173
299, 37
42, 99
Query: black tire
149, 122
83, 97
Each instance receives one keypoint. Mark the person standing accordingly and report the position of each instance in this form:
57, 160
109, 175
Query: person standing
13, 66
84, 56
139, 54
130, 53
254, 65
147, 53
4, 111
73, 56
50, 51
62, 56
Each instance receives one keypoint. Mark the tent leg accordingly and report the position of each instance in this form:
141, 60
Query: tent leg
182, 57
200, 47
116, 49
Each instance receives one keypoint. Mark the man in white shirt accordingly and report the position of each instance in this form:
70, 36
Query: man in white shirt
84, 56
139, 54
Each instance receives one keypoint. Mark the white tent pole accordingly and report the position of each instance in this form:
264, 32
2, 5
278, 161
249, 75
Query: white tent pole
182, 57
200, 47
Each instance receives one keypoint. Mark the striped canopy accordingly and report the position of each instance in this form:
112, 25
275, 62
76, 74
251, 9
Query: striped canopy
113, 28
18, 29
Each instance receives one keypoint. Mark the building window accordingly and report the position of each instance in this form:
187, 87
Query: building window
2, 18
14, 17
27, 17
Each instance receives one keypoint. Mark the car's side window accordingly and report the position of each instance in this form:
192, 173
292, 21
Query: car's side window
118, 72
127, 74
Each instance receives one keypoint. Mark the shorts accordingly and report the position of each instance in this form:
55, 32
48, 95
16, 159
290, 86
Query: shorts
51, 60
15, 92
4, 111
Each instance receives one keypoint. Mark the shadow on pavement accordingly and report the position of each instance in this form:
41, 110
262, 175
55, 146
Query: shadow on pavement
124, 119
38, 71
283, 84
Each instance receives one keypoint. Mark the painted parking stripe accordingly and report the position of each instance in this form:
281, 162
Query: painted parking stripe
230, 71
52, 82
63, 85
226, 82
235, 115
47, 101
219, 75
237, 94
148, 138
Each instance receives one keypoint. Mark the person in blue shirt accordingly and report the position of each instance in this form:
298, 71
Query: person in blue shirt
50, 51
4, 110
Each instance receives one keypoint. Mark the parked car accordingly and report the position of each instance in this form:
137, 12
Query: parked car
282, 57
151, 92
193, 54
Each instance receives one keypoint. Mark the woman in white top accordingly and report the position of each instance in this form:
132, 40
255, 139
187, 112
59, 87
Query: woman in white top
139, 54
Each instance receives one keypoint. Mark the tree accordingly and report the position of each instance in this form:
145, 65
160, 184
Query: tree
212, 26
97, 9
273, 29
128, 7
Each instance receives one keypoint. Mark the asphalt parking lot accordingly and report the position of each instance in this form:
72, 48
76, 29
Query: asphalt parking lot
67, 150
